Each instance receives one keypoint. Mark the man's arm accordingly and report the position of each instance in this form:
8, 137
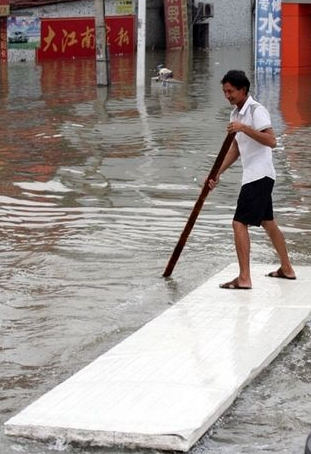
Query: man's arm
265, 137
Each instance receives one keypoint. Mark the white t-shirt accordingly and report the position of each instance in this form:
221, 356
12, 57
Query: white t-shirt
256, 158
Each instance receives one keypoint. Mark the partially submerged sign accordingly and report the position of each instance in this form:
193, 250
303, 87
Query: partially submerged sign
268, 36
74, 37
176, 24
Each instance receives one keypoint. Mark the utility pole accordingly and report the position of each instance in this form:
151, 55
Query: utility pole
141, 44
102, 65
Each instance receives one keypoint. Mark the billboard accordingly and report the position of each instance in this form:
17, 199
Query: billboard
268, 36
125, 7
23, 32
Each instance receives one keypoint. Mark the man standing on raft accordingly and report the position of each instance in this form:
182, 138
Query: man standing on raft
253, 142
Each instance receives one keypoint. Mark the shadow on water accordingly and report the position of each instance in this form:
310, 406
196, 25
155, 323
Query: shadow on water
96, 186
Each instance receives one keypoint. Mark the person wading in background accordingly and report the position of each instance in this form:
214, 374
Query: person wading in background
253, 143
164, 73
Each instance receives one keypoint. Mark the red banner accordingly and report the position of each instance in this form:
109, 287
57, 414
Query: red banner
120, 34
75, 37
3, 39
67, 38
176, 23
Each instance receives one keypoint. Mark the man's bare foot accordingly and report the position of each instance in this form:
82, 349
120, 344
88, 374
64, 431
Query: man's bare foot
279, 273
234, 285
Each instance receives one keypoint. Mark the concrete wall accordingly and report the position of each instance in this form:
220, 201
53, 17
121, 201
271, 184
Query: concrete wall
231, 24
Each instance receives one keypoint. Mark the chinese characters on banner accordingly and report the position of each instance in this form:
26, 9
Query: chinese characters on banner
120, 34
75, 37
268, 36
176, 23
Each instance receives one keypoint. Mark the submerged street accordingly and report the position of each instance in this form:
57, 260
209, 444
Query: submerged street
96, 186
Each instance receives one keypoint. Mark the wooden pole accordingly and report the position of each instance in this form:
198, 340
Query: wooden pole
198, 205
102, 76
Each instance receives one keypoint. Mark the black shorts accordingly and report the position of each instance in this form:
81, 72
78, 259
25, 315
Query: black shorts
255, 202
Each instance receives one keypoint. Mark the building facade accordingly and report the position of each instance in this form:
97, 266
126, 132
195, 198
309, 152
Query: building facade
226, 23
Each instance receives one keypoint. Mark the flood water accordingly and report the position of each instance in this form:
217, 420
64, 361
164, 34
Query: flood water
95, 189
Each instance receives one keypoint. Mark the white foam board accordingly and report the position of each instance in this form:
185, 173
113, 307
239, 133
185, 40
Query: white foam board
166, 384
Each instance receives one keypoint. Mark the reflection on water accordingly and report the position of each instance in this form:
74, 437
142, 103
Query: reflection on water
95, 188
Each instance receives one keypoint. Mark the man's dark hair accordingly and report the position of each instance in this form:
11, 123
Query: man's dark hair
237, 79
